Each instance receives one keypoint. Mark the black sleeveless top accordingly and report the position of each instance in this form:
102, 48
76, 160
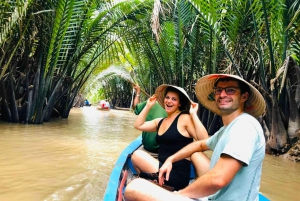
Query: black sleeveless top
171, 141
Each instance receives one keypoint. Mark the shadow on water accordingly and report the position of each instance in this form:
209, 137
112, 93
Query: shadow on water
71, 159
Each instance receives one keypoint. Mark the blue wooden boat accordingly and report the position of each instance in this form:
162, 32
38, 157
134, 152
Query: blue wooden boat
123, 171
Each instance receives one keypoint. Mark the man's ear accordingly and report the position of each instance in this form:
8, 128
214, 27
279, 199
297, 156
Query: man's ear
245, 96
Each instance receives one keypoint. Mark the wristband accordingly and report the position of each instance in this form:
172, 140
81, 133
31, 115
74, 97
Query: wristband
138, 95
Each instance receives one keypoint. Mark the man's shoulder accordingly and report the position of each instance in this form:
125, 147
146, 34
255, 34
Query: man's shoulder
157, 106
247, 119
141, 104
247, 124
157, 111
139, 107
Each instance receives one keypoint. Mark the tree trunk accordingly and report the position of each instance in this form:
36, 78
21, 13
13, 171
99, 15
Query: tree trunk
294, 120
278, 136
297, 83
4, 102
50, 105
13, 105
29, 105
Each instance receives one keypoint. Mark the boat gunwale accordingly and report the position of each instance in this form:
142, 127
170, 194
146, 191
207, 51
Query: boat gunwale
114, 179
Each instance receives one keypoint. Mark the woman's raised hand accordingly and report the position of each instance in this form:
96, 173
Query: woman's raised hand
151, 101
193, 108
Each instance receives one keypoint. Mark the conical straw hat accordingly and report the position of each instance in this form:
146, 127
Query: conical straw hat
160, 93
255, 105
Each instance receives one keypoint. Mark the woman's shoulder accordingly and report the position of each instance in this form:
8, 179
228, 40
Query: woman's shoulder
157, 120
185, 116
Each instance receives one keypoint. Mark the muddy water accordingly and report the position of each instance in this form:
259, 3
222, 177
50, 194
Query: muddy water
71, 159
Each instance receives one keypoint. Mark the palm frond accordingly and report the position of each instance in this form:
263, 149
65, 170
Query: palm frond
9, 19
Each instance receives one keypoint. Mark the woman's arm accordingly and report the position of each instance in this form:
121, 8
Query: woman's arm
195, 127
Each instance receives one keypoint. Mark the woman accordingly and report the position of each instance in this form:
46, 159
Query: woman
173, 133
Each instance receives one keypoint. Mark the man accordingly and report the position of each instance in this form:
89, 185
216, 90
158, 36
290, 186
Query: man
148, 138
238, 147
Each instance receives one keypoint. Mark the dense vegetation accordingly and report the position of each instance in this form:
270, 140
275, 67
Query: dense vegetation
54, 51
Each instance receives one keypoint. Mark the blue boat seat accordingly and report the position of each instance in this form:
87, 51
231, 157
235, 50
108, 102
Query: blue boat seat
130, 165
193, 172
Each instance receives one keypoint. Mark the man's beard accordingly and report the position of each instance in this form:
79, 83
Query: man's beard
227, 111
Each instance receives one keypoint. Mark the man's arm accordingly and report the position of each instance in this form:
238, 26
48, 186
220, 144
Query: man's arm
187, 151
215, 179
136, 99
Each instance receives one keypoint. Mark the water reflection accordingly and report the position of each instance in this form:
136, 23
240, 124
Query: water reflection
71, 159
280, 179
66, 159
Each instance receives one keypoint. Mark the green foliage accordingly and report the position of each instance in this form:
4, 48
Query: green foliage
54, 51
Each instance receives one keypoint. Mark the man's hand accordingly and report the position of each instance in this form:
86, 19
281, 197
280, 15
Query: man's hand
136, 99
137, 89
164, 170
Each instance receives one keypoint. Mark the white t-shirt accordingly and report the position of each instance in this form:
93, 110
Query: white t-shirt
242, 139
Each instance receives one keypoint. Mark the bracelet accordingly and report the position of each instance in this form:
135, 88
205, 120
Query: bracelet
137, 95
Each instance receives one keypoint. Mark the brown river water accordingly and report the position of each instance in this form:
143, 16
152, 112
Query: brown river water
71, 159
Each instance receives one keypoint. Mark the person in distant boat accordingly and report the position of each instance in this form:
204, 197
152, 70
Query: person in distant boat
87, 103
178, 129
148, 138
102, 103
238, 147
107, 105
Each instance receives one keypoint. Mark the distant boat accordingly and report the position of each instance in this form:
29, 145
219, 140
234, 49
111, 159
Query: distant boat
87, 103
102, 108
122, 108
124, 172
